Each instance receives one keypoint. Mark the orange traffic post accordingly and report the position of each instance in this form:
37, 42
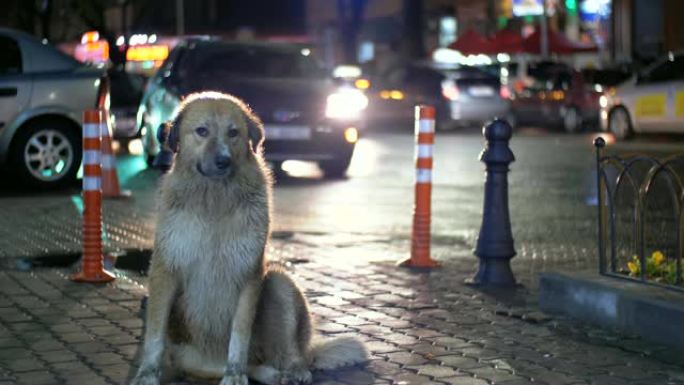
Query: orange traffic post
110, 180
420, 237
92, 269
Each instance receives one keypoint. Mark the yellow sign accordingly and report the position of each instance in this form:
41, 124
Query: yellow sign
651, 106
147, 52
679, 104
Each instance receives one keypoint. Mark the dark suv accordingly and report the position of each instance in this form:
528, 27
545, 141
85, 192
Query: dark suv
306, 116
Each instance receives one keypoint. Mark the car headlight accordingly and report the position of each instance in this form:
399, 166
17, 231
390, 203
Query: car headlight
346, 104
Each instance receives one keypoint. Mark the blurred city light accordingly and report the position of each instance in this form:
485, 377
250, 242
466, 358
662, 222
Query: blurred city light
135, 147
362, 84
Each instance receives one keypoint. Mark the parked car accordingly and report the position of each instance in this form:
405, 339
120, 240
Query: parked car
652, 101
126, 91
306, 116
43, 94
557, 95
462, 96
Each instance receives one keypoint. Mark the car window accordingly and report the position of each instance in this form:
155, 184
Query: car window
257, 62
668, 70
10, 60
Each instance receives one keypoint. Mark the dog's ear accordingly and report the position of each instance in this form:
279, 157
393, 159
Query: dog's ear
173, 129
255, 131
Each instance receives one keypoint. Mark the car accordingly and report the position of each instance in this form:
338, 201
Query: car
306, 115
557, 95
650, 102
43, 93
126, 91
462, 96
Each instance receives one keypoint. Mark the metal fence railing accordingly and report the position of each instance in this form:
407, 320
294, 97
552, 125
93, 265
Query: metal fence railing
640, 217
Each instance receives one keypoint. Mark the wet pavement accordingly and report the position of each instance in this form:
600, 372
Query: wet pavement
341, 239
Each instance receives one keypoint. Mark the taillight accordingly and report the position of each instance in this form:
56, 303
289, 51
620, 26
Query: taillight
450, 90
103, 94
504, 92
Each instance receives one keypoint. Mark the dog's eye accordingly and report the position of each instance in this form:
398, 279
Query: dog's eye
233, 132
202, 131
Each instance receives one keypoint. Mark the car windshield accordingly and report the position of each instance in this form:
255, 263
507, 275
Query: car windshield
256, 62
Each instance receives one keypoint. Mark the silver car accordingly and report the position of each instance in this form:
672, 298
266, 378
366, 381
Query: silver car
652, 101
43, 94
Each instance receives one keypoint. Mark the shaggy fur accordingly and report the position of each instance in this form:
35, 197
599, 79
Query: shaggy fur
214, 309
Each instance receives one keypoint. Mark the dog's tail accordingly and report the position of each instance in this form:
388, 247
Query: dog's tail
331, 353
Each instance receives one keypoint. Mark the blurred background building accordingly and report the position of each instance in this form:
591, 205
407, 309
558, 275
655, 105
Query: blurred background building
365, 30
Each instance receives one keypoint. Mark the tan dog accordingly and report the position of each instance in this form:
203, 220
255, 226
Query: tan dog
214, 309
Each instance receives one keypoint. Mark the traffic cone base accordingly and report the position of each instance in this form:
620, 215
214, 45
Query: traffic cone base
102, 276
427, 264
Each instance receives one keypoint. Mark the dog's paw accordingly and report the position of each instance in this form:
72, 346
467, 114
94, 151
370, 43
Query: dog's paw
145, 378
234, 379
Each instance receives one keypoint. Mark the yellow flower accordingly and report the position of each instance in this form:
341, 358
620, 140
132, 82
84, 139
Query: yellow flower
633, 268
657, 257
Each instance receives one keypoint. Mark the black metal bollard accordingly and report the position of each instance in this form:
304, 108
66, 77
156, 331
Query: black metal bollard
495, 242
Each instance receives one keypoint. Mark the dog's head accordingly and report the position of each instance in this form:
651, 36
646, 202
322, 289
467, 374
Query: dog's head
213, 134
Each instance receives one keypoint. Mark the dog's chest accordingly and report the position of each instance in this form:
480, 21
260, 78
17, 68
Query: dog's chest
186, 239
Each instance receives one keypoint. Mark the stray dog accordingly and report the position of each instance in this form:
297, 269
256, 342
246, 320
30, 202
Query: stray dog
215, 310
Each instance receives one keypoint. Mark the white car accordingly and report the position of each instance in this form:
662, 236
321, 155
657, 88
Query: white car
43, 94
652, 101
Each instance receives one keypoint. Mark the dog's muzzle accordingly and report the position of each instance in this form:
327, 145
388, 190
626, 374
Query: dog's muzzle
221, 165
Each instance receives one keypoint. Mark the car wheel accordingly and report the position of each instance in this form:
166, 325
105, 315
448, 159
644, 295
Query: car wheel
619, 123
572, 120
47, 153
335, 168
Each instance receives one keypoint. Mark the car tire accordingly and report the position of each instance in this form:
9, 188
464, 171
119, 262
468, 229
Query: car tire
619, 123
572, 120
335, 168
47, 153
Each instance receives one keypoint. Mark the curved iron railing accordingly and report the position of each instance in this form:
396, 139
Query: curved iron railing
641, 187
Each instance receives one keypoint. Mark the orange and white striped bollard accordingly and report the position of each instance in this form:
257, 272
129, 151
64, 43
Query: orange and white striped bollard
92, 269
420, 236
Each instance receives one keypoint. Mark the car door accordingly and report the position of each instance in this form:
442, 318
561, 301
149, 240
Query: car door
653, 98
677, 92
15, 86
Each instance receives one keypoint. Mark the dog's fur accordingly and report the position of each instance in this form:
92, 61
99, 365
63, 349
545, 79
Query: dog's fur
215, 309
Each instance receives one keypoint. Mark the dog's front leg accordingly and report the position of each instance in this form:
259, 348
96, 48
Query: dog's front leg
241, 334
162, 289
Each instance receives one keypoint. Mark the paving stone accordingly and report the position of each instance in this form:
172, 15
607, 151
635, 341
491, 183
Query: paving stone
107, 358
42, 377
435, 371
465, 380
493, 374
24, 365
384, 369
413, 379
58, 356
91, 347
377, 347
460, 362
406, 358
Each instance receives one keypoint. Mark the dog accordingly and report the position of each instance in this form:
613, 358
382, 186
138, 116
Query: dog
215, 309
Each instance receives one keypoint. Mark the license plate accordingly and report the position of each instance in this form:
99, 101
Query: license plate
124, 123
481, 91
287, 132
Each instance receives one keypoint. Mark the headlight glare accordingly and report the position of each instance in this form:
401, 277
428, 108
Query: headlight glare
346, 104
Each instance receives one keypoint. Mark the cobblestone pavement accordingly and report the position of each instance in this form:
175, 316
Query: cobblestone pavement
422, 328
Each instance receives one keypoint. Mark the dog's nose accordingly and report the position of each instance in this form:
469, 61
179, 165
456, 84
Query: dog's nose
222, 162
